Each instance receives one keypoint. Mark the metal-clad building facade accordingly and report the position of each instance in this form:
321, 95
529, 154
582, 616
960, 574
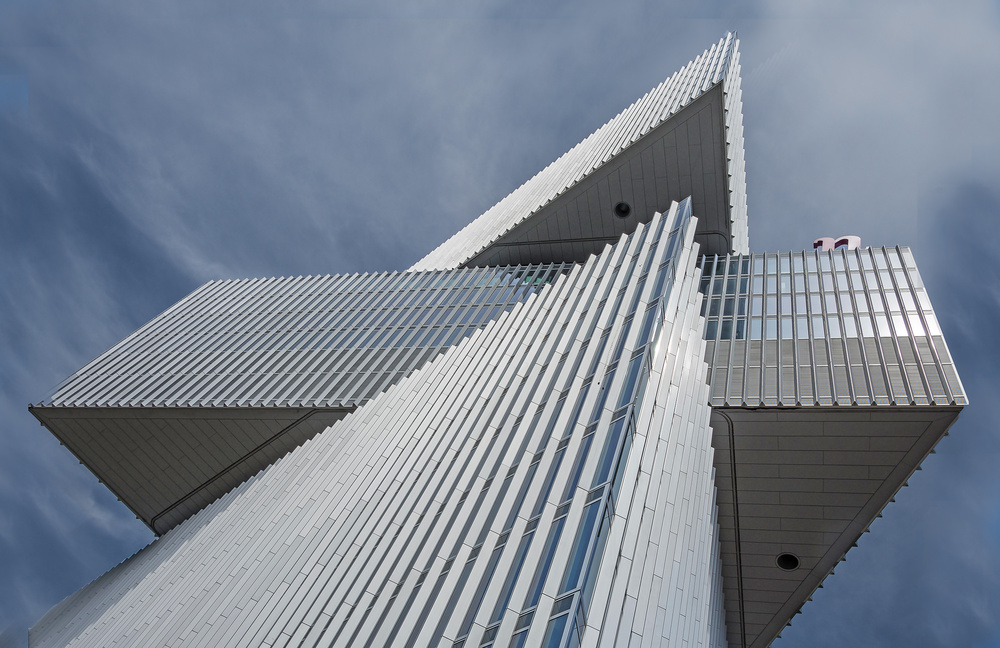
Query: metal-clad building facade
590, 418
833, 327
332, 341
517, 490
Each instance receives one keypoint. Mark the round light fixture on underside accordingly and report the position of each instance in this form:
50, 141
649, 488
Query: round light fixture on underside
623, 209
787, 562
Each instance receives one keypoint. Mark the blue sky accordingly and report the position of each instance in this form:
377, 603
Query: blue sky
145, 151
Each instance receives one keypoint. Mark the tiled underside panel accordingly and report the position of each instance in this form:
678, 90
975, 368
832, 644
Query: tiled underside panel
332, 341
717, 64
118, 439
431, 512
808, 481
824, 327
684, 156
166, 464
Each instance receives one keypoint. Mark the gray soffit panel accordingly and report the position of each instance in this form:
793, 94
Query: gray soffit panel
166, 464
683, 138
684, 156
806, 482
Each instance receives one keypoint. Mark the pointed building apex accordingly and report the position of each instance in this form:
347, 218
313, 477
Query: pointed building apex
683, 138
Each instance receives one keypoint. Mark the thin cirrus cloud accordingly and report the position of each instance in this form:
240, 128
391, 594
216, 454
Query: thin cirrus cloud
148, 151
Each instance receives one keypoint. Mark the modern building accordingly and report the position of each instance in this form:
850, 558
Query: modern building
590, 418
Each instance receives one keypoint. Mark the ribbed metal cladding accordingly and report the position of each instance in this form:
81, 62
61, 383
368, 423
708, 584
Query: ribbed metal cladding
737, 176
548, 478
836, 327
330, 341
719, 64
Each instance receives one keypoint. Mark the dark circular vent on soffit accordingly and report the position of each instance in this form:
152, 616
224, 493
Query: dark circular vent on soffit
623, 209
787, 561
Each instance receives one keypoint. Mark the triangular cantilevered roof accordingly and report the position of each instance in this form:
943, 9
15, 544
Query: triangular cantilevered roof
240, 372
683, 138
814, 429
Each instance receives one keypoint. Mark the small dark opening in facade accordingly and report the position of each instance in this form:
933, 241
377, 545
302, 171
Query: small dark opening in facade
623, 209
787, 561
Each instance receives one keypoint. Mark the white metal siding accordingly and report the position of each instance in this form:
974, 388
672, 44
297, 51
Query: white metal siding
325, 341
840, 327
327, 546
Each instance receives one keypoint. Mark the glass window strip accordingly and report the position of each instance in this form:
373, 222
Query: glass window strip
545, 564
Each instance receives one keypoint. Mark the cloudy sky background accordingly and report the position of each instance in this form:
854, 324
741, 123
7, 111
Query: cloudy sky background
146, 150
